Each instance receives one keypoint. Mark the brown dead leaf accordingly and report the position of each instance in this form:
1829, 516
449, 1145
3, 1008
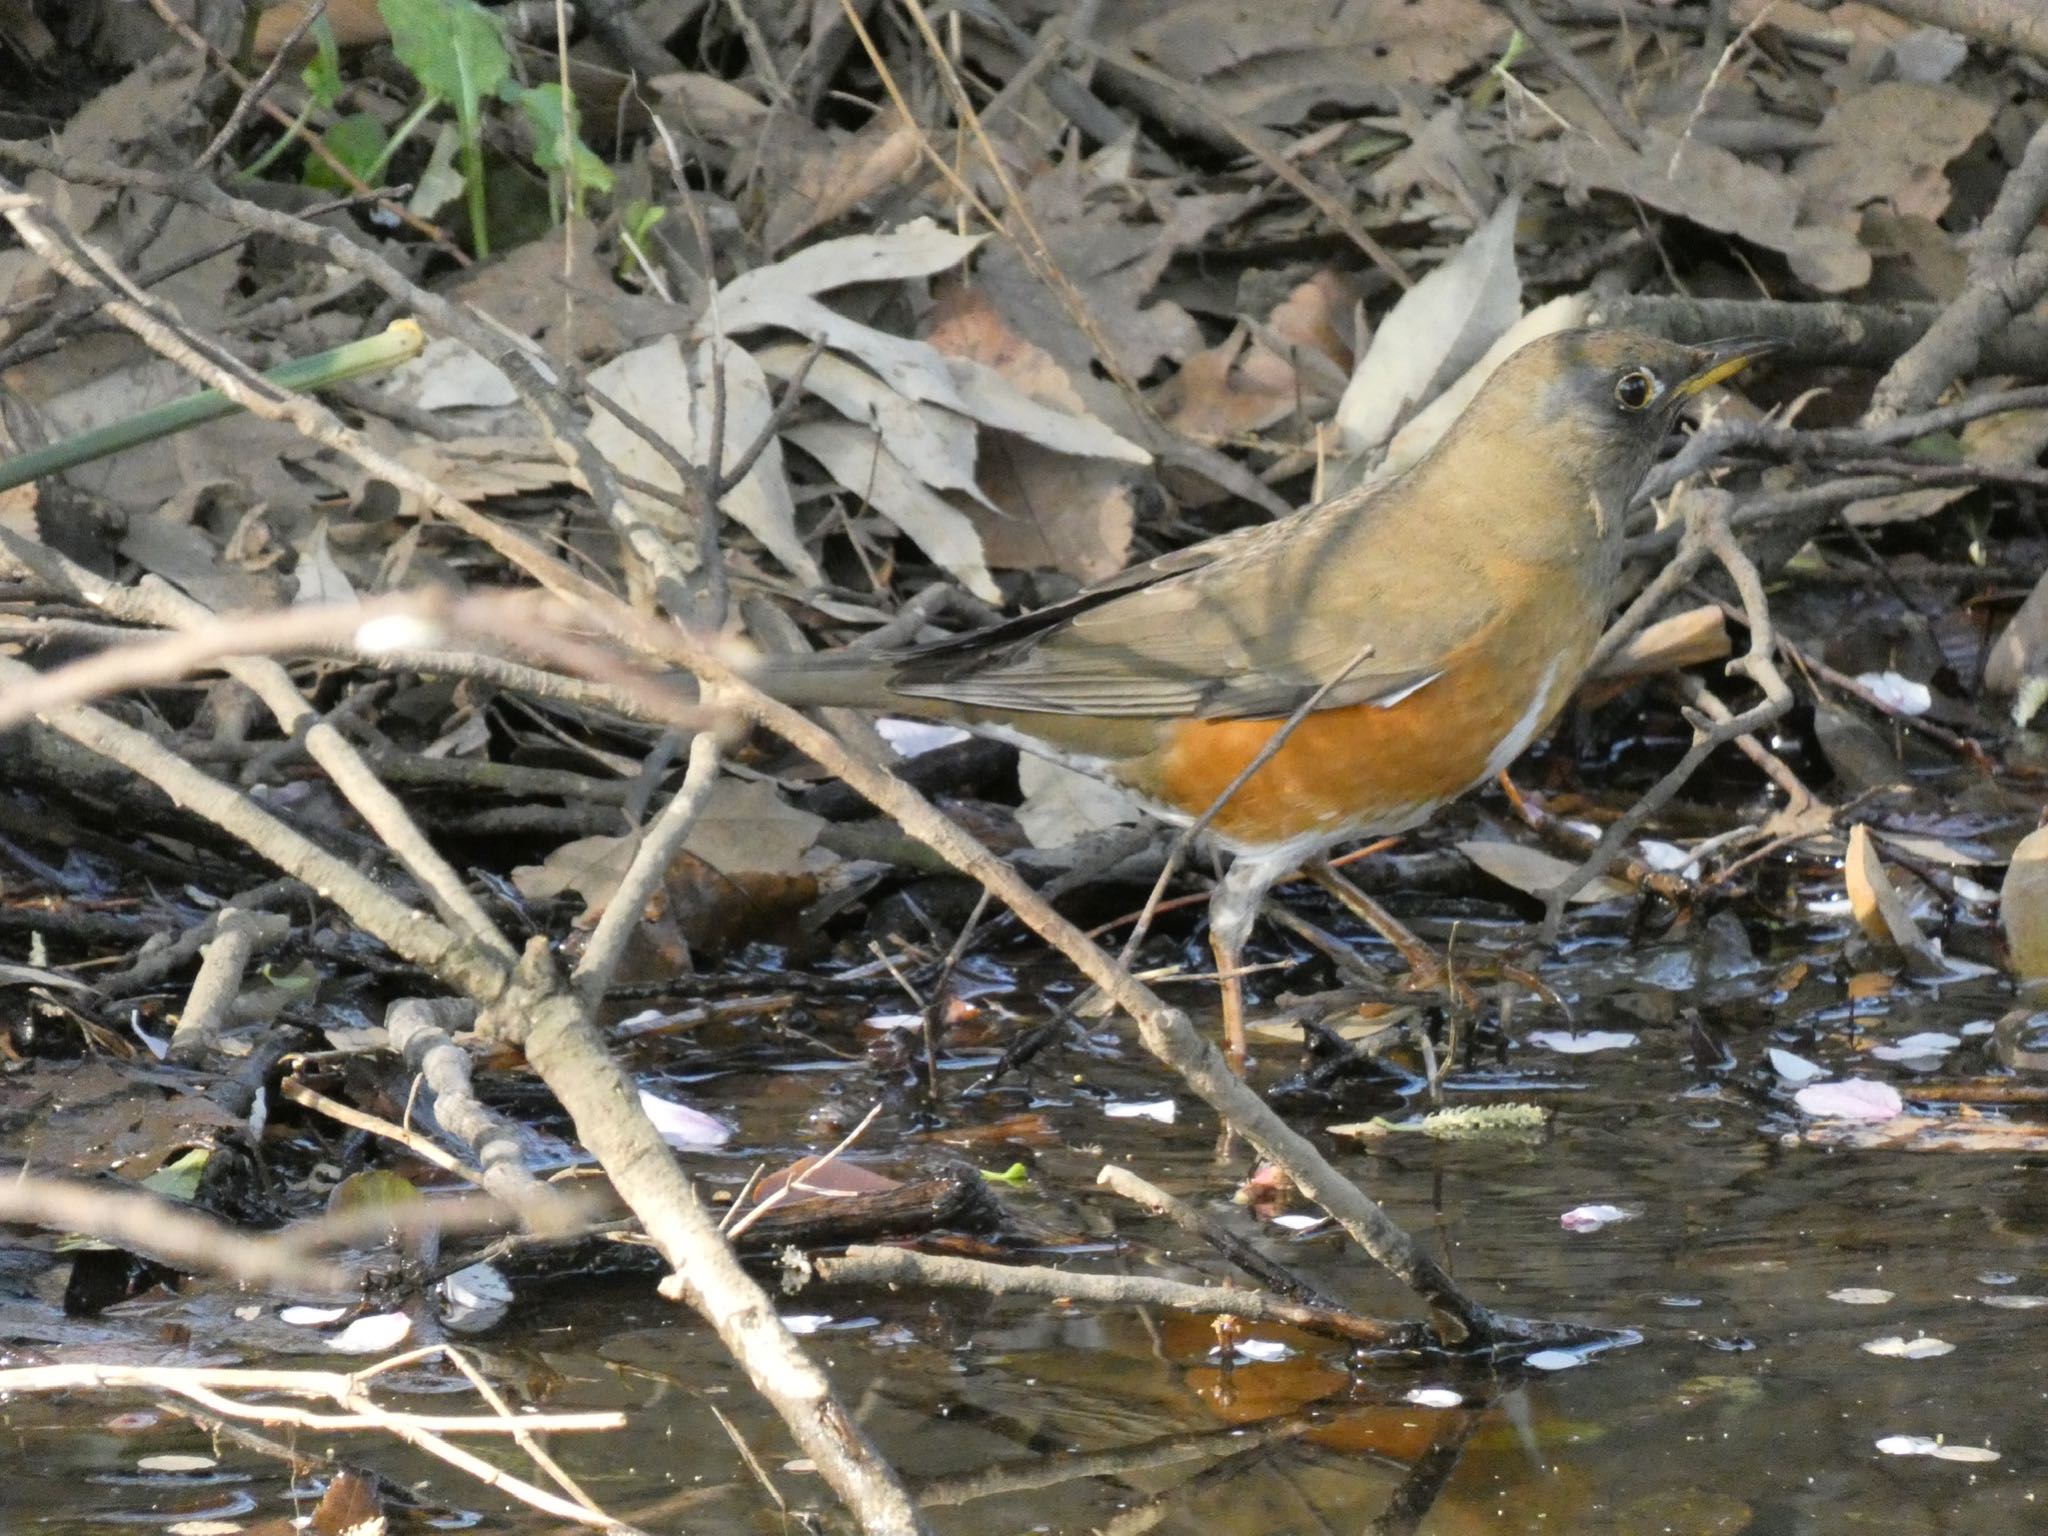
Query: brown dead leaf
1715, 190
1887, 144
838, 1177
1244, 384
578, 312
149, 104
355, 22
1273, 64
1112, 248
1880, 910
833, 180
96, 1115
714, 911
748, 828
1853, 25
1534, 872
2023, 910
704, 106
1052, 510
2018, 664
478, 468
592, 867
2009, 440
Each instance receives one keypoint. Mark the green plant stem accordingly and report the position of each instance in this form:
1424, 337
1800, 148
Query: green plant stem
285, 141
399, 342
405, 129
473, 187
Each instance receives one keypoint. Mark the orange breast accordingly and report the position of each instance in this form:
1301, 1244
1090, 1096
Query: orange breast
1362, 768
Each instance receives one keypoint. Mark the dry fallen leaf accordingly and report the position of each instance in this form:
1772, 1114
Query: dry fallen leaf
1682, 640
1534, 872
1047, 510
1275, 63
857, 458
1880, 910
1440, 328
1715, 189
1062, 804
832, 180
2023, 909
2018, 664
1887, 143
1243, 384
2008, 440
647, 383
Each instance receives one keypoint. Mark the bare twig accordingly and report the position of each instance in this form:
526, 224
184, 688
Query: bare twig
1558, 51
158, 1229
1707, 527
2001, 283
209, 1386
870, 1266
659, 845
214, 989
1234, 1248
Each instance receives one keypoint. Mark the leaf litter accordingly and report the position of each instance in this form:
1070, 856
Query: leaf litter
1000, 413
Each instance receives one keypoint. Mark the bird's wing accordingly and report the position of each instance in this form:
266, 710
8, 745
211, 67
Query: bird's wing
1219, 631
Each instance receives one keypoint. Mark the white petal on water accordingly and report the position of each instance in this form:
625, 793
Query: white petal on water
1162, 1110
1433, 1397
1917, 1047
1591, 1218
372, 1335
1796, 1070
1856, 1098
1569, 1044
1895, 1347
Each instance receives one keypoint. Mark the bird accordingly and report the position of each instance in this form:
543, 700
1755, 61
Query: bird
1386, 650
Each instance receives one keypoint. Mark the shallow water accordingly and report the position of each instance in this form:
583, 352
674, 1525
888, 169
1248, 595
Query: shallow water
1750, 1403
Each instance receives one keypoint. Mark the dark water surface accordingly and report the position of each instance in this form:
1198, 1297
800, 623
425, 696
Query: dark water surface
1750, 1405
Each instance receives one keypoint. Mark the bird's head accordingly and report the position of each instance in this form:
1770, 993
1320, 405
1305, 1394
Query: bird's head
1597, 404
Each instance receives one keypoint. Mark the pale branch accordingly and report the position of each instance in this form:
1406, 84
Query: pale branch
659, 845
418, 1030
2000, 285
863, 1265
173, 1235
213, 991
1707, 527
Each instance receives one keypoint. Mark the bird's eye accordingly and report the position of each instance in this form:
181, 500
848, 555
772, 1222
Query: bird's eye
1635, 389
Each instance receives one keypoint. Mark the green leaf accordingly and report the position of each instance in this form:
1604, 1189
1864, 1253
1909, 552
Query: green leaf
358, 143
323, 74
640, 217
1016, 1176
547, 107
454, 48
374, 1189
179, 1178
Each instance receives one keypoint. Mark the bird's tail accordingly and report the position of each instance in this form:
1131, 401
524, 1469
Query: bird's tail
837, 680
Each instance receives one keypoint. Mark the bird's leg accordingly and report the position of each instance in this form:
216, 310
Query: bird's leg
1230, 979
1233, 908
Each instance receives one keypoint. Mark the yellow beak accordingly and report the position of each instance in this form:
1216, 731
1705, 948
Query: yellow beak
1725, 359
